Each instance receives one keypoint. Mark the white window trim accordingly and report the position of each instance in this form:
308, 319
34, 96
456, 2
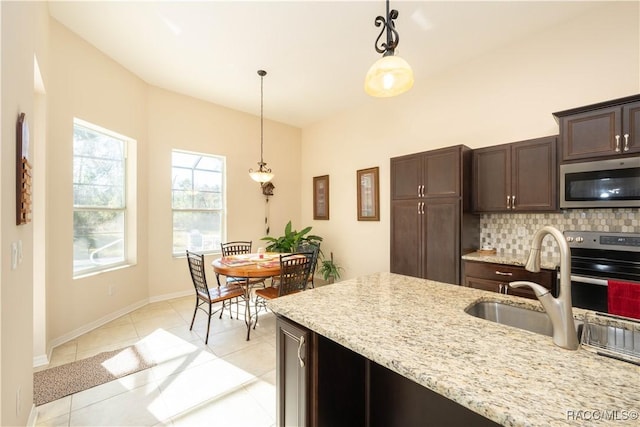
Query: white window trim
130, 208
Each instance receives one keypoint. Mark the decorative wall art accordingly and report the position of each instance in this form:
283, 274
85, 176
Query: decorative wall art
321, 197
368, 194
23, 172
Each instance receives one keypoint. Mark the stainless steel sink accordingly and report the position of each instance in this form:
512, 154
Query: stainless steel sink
517, 317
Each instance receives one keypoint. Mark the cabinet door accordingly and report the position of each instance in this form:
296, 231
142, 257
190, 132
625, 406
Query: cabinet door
406, 177
442, 173
442, 230
292, 380
590, 134
406, 239
534, 172
631, 127
492, 178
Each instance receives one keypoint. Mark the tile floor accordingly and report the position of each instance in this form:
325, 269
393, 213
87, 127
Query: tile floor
229, 382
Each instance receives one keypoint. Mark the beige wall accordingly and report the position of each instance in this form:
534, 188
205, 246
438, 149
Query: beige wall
501, 97
179, 122
22, 37
86, 84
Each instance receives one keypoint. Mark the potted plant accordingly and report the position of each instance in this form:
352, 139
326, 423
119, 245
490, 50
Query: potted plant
329, 269
290, 240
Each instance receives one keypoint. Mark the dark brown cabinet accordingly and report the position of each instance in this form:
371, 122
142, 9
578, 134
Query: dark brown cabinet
293, 374
516, 177
603, 130
431, 226
339, 387
496, 278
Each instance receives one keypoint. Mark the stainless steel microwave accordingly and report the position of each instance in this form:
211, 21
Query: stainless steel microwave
600, 183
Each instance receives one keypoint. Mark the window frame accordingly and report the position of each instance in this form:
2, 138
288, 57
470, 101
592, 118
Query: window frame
223, 202
128, 201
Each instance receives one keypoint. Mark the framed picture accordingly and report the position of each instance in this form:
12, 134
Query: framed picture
369, 194
321, 197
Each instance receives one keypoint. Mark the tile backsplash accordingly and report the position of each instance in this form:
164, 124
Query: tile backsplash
512, 233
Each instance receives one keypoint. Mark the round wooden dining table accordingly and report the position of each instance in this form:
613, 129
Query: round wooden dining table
248, 266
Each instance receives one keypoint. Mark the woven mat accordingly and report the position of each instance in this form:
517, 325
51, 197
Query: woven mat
60, 381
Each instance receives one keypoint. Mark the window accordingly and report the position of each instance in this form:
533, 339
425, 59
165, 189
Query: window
197, 199
99, 198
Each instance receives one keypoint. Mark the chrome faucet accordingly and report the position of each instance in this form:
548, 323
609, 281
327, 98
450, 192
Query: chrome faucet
558, 309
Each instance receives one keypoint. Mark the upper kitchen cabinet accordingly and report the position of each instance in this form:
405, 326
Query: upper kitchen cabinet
425, 175
604, 130
516, 177
431, 226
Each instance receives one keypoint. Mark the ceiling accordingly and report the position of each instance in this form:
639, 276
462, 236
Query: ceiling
316, 53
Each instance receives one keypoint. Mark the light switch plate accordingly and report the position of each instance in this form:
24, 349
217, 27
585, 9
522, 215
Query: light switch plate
14, 255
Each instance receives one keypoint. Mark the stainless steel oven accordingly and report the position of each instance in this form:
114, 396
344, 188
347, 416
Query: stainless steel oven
596, 258
600, 183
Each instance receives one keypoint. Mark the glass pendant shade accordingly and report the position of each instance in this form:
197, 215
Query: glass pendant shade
388, 76
261, 176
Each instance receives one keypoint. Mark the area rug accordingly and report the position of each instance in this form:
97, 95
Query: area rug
60, 381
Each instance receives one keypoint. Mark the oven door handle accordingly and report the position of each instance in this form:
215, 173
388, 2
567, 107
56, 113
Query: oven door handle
590, 280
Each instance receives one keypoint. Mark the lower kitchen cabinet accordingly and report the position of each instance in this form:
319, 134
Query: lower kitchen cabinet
293, 374
339, 387
496, 278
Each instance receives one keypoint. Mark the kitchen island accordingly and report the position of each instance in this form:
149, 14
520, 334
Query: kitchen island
419, 330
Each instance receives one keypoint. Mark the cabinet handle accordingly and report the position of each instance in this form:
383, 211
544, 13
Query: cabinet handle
419, 208
626, 142
513, 202
422, 190
501, 273
422, 208
617, 143
508, 202
419, 190
300, 344
501, 288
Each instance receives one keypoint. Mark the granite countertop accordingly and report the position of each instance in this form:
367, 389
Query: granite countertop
418, 328
508, 259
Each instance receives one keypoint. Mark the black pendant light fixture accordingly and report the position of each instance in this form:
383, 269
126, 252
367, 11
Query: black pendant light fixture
389, 75
263, 174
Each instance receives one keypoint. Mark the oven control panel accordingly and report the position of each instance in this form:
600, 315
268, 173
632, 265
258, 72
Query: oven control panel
629, 242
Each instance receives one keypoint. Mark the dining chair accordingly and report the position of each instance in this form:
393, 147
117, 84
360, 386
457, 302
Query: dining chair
206, 297
239, 247
315, 249
294, 276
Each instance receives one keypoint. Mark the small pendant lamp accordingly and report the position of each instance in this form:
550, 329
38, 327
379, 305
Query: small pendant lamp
389, 75
263, 174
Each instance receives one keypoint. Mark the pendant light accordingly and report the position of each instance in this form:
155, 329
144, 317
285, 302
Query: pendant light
389, 75
263, 174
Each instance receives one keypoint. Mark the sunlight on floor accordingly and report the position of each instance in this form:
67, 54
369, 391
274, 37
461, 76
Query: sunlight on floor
231, 380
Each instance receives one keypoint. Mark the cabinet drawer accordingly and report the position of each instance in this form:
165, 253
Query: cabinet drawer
508, 273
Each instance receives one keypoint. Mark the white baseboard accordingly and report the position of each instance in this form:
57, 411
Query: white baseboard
96, 324
172, 296
44, 359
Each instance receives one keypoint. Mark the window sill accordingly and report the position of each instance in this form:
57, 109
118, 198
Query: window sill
106, 270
